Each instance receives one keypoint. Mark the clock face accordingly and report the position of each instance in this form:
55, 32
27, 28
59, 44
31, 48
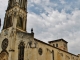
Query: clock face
40, 51
4, 44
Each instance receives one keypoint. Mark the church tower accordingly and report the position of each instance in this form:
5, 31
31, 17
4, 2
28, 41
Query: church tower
13, 38
16, 15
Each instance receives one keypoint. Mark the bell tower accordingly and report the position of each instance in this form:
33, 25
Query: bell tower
21, 3
16, 15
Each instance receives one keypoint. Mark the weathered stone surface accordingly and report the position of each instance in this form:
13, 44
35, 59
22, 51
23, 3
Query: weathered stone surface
21, 44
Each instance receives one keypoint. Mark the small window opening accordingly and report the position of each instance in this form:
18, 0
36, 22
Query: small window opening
56, 45
53, 45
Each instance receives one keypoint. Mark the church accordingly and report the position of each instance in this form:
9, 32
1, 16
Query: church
17, 44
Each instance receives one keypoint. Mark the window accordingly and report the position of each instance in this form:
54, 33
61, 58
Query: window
52, 55
53, 45
65, 45
56, 45
8, 22
21, 51
40, 51
20, 23
4, 44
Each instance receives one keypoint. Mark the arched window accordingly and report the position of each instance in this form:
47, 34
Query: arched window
8, 22
21, 51
52, 54
20, 23
20, 2
53, 45
56, 45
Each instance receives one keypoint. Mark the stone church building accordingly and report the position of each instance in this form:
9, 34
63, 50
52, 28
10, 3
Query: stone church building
17, 44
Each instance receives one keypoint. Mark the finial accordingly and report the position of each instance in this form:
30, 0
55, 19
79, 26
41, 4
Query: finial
31, 30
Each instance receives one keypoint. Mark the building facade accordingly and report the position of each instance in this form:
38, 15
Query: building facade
17, 44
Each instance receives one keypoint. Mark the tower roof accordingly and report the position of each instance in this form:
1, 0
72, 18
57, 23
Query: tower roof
58, 40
